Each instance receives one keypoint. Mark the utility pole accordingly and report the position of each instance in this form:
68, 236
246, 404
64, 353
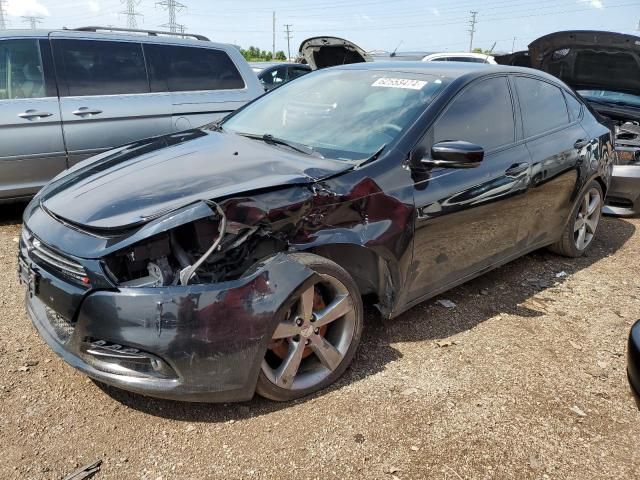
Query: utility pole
289, 37
130, 12
32, 21
173, 7
472, 30
3, 15
274, 36
513, 45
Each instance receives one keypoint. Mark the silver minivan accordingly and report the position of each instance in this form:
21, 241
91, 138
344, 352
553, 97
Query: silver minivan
66, 95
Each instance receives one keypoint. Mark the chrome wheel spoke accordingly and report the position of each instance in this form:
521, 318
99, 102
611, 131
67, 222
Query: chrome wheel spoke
337, 309
328, 355
306, 303
286, 373
579, 224
286, 330
593, 205
582, 234
591, 225
585, 204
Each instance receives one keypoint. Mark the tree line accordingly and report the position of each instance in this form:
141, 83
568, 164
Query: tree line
254, 54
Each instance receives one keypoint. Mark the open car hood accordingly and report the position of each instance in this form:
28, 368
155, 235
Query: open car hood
147, 179
585, 60
324, 52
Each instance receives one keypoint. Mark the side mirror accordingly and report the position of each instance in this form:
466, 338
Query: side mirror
456, 154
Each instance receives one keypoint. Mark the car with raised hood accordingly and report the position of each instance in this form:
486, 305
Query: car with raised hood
67, 95
604, 68
213, 263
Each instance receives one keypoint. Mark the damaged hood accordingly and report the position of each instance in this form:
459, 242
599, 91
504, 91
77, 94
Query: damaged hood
152, 177
586, 60
324, 52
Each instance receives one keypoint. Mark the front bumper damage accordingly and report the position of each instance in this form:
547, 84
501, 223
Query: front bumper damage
195, 343
623, 198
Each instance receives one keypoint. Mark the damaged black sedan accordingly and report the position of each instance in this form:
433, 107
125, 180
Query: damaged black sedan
233, 259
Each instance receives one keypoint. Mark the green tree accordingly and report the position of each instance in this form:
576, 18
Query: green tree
281, 56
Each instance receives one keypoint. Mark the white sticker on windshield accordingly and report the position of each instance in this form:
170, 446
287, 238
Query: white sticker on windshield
399, 83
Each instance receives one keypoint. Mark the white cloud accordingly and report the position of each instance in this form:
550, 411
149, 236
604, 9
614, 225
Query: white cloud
435, 11
593, 3
93, 6
34, 8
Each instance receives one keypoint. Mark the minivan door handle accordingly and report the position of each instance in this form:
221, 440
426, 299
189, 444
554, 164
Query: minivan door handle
29, 114
86, 111
516, 169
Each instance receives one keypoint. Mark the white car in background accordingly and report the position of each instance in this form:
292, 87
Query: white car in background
460, 57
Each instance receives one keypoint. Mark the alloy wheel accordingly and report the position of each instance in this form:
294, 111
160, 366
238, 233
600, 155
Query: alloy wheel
588, 218
313, 339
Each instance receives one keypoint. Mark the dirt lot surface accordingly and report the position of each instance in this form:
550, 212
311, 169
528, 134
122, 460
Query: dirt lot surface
524, 378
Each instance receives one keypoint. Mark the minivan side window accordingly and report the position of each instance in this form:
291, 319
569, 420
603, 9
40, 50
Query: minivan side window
188, 69
542, 104
21, 71
482, 114
101, 68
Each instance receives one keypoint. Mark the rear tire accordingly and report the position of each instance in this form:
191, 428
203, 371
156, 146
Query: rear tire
319, 337
581, 229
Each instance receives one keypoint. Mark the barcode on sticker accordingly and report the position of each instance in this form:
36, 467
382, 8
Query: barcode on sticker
400, 83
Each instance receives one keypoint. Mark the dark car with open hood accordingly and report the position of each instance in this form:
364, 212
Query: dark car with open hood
604, 68
214, 263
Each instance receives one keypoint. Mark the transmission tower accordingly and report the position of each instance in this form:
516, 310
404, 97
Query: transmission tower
131, 13
289, 36
472, 30
32, 21
3, 15
173, 7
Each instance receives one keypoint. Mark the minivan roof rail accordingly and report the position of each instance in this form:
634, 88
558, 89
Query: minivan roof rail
152, 33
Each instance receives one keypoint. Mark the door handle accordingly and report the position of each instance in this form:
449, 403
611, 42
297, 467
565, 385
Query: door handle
86, 111
516, 169
29, 114
580, 144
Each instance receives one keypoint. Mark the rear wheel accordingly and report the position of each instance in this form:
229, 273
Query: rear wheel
318, 337
583, 225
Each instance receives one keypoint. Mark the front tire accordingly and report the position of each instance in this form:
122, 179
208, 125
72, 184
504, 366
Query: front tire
316, 341
583, 224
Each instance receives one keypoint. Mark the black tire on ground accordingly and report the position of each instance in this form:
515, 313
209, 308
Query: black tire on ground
323, 266
566, 246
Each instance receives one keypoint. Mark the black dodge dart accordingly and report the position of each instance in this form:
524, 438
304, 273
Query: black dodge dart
232, 259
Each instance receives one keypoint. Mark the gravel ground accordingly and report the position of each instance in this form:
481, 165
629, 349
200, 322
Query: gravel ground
524, 378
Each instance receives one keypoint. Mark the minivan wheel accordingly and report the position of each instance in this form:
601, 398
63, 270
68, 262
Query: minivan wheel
583, 225
316, 340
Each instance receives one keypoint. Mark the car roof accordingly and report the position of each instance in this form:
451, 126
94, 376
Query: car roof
451, 70
108, 35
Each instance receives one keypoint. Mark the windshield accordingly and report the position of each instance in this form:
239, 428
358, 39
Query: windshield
341, 114
613, 97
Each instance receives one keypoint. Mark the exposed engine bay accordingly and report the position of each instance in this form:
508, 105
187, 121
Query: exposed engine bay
208, 250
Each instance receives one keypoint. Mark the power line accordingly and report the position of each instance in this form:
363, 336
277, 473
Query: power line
173, 7
131, 13
472, 30
289, 36
32, 21
3, 15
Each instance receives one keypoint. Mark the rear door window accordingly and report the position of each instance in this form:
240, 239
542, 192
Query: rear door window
542, 104
295, 72
575, 107
482, 114
275, 77
187, 69
21, 71
101, 68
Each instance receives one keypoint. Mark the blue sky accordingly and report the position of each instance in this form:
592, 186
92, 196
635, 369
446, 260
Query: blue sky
428, 25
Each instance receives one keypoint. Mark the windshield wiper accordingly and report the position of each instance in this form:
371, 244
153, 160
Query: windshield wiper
271, 140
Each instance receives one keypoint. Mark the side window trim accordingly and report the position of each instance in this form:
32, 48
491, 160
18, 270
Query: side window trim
568, 95
500, 148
